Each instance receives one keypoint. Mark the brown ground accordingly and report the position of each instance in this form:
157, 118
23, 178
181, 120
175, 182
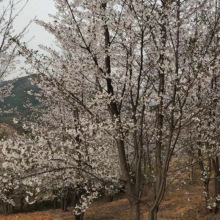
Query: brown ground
185, 204
32, 216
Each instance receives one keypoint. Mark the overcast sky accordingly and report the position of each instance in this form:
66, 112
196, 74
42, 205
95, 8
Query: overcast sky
39, 9
34, 9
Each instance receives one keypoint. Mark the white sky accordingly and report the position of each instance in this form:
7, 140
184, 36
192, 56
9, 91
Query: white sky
34, 9
39, 9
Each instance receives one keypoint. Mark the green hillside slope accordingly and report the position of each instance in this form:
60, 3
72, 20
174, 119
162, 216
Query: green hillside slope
18, 100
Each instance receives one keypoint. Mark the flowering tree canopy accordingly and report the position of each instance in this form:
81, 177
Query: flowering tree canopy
129, 77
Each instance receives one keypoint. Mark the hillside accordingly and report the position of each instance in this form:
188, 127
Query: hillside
17, 102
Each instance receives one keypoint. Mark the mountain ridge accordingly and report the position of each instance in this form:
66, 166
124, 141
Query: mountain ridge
16, 104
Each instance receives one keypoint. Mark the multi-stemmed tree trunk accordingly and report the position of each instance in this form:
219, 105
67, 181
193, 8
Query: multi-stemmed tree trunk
132, 190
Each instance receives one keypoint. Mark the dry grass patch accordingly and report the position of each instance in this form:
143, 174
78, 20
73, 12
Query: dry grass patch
109, 211
31, 216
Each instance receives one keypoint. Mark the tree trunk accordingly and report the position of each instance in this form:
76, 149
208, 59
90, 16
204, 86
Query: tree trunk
192, 171
114, 110
55, 200
215, 162
64, 204
217, 191
153, 214
111, 198
135, 211
79, 217
21, 209
207, 194
55, 203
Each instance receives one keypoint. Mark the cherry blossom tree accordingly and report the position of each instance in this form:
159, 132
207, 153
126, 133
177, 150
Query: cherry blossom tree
64, 153
8, 48
133, 70
8, 61
202, 136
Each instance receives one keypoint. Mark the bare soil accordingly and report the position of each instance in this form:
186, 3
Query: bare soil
187, 204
